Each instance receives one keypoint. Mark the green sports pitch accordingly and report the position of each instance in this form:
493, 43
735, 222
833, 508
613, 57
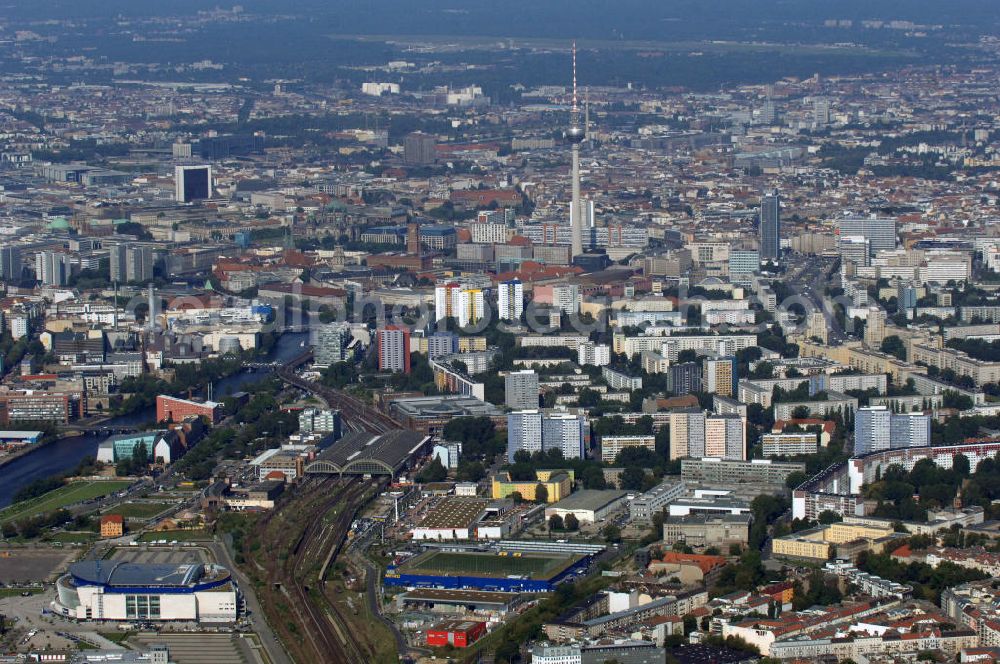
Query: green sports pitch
475, 563
66, 495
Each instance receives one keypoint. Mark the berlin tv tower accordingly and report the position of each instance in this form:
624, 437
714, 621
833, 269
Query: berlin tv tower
575, 135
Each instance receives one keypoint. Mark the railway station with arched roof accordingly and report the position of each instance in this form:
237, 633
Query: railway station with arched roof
365, 453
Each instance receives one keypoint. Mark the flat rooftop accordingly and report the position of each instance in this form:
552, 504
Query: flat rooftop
590, 499
443, 596
449, 405
455, 513
539, 566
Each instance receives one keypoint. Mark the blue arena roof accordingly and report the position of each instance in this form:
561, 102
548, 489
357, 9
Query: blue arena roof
114, 574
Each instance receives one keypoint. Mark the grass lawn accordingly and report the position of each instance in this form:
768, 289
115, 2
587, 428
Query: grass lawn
139, 510
117, 637
179, 535
74, 492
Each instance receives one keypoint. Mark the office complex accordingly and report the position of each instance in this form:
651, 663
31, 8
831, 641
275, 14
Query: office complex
131, 262
10, 263
53, 268
419, 149
192, 183
330, 345
879, 234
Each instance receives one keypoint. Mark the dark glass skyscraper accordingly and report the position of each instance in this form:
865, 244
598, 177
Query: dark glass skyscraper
770, 226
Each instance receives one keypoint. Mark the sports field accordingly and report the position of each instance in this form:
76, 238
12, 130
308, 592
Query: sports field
72, 493
536, 566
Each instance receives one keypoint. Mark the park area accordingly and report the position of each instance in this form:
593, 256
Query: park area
536, 566
64, 496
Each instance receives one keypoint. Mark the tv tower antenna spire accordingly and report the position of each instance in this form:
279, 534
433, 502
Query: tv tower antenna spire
575, 136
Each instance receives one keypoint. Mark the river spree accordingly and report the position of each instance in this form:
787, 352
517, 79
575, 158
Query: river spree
63, 455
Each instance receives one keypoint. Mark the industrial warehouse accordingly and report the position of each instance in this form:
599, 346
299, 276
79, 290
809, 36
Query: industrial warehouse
115, 590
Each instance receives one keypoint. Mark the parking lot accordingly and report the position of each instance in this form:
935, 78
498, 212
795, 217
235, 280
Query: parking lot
204, 648
162, 555
27, 565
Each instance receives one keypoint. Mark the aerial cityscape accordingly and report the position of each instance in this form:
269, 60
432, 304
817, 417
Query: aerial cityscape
553, 333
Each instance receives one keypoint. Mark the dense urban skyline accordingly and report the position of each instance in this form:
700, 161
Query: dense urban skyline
563, 332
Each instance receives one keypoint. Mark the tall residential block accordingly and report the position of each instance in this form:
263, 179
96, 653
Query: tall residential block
521, 390
539, 431
510, 299
393, 348
876, 428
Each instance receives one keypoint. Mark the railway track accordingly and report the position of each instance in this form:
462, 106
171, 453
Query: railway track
352, 409
306, 628
323, 630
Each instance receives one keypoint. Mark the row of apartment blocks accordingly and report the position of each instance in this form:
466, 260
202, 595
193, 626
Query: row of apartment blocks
838, 488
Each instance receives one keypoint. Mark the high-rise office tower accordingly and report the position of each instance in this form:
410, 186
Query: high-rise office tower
393, 348
510, 299
330, 343
419, 149
192, 183
821, 111
10, 263
575, 135
770, 226
521, 390
130, 262
52, 268
880, 233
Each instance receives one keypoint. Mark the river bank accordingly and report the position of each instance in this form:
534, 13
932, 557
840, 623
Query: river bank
64, 454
